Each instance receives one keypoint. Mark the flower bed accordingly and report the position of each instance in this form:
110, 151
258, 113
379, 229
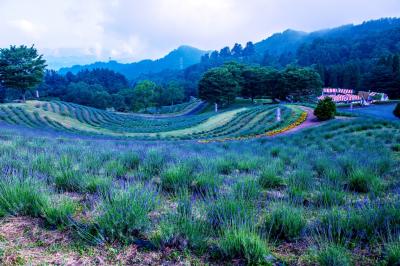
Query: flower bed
299, 121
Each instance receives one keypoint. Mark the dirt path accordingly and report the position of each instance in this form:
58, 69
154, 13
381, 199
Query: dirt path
311, 121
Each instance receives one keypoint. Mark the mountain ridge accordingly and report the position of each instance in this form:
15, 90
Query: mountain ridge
179, 58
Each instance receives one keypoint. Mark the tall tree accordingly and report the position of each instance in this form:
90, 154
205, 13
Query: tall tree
218, 86
21, 68
173, 93
225, 52
143, 94
253, 82
237, 50
249, 50
300, 83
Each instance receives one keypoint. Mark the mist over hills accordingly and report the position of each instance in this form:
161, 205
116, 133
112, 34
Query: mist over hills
367, 41
180, 58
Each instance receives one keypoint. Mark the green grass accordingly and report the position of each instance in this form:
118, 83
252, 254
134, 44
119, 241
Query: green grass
333, 255
244, 244
22, 196
284, 222
124, 217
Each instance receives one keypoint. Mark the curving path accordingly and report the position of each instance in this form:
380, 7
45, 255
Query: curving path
311, 121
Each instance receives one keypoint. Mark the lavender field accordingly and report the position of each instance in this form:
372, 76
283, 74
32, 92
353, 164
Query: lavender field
328, 195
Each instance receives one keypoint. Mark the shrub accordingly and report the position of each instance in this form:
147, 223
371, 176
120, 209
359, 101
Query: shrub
206, 184
22, 196
96, 184
325, 110
243, 244
363, 223
269, 178
182, 229
227, 211
333, 255
177, 177
124, 216
115, 169
59, 213
130, 160
329, 197
226, 165
69, 180
43, 164
392, 253
363, 181
248, 164
396, 110
301, 179
153, 164
285, 222
247, 189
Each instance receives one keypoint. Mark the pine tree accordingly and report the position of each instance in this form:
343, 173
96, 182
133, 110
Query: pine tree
21, 68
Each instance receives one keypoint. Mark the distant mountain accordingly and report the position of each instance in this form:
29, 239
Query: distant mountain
287, 41
178, 59
367, 40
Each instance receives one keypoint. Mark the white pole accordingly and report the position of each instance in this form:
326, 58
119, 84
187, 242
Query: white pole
278, 114
37, 94
216, 107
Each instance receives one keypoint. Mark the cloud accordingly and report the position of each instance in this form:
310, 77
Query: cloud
129, 30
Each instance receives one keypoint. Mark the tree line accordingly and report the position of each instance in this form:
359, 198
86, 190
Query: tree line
223, 84
103, 88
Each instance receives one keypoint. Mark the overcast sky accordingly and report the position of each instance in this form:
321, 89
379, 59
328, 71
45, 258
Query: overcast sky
80, 31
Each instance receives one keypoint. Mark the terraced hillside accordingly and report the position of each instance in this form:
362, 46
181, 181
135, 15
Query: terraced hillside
68, 117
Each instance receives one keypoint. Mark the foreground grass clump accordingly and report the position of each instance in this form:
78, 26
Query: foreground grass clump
285, 222
227, 211
270, 178
329, 197
182, 229
67, 178
125, 216
60, 212
363, 181
392, 253
367, 223
333, 255
20, 196
177, 177
244, 244
206, 184
247, 189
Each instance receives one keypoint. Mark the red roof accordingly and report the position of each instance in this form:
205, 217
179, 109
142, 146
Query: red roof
342, 98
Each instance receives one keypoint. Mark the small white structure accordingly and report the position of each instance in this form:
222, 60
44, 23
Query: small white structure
371, 97
278, 114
